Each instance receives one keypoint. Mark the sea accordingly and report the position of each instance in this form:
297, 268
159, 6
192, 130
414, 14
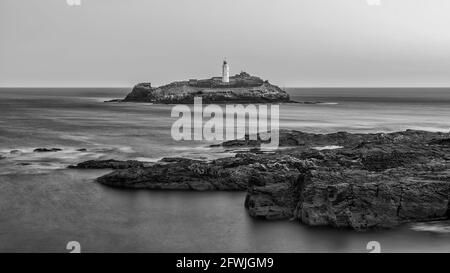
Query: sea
44, 205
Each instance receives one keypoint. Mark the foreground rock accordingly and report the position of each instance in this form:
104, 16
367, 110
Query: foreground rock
182, 174
371, 181
242, 88
380, 181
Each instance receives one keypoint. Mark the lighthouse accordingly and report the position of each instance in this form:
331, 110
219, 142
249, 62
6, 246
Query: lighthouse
225, 72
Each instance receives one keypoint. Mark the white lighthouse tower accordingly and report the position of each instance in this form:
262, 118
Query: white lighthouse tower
225, 72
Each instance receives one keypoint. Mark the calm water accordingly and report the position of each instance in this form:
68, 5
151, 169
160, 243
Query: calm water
43, 205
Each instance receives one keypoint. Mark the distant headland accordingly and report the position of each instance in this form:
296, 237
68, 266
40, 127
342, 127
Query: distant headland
240, 88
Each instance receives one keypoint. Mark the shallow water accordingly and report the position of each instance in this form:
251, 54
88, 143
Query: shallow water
43, 205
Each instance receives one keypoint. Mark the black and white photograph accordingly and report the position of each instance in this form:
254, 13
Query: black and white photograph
253, 127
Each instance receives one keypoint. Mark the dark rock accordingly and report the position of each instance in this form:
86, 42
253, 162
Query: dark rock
391, 179
185, 174
82, 150
312, 102
363, 200
288, 138
271, 189
140, 93
114, 100
445, 141
178, 160
373, 181
46, 150
108, 164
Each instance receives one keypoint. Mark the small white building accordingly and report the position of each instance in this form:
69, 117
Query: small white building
225, 72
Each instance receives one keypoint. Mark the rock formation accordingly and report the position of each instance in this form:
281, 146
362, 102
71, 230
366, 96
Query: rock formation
370, 181
46, 150
242, 88
109, 164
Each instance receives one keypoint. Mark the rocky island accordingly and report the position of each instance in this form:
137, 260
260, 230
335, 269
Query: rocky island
343, 180
241, 88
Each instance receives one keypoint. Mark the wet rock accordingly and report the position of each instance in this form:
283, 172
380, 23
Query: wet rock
271, 189
46, 150
186, 174
445, 142
178, 160
108, 164
293, 138
391, 179
373, 181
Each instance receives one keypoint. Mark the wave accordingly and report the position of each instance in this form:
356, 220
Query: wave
330, 147
434, 227
26, 159
327, 103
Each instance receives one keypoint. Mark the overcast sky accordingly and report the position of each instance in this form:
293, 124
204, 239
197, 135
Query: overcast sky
289, 42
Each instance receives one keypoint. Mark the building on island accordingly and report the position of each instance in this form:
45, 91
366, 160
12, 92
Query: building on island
225, 72
241, 80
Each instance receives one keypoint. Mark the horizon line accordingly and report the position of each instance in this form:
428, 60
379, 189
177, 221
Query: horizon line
309, 87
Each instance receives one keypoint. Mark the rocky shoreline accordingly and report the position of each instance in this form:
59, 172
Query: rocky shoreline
343, 180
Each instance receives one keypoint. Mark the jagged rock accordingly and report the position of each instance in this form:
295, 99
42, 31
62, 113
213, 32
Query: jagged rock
140, 92
108, 164
242, 88
178, 160
391, 179
288, 138
46, 150
370, 181
445, 141
183, 174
